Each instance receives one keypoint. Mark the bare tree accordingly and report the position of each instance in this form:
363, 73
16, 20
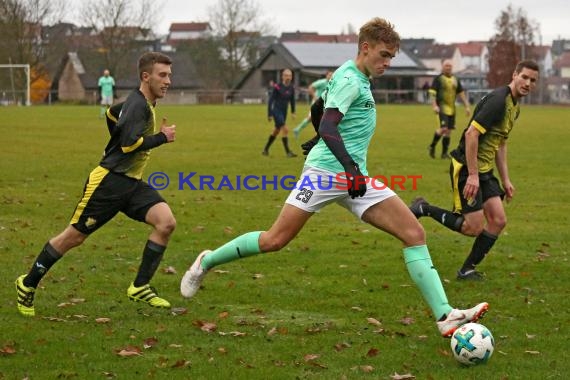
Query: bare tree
21, 23
240, 25
515, 34
124, 26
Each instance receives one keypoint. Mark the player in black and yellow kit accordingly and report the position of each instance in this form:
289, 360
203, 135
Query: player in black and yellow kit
116, 186
444, 89
477, 194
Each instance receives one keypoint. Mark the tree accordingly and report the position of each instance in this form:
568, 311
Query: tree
123, 26
515, 33
205, 54
239, 26
21, 24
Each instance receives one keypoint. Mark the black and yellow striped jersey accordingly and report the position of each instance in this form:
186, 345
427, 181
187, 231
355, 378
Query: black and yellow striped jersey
445, 89
129, 124
494, 117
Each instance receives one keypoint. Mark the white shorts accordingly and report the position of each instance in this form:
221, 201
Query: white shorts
317, 188
107, 100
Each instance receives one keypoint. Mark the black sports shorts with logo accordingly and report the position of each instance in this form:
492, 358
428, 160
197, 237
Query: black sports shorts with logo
107, 193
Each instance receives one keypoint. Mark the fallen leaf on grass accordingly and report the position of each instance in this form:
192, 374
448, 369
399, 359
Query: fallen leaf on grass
407, 321
150, 342
103, 320
169, 270
181, 364
178, 311
366, 368
310, 357
129, 351
372, 352
232, 333
532, 352
8, 349
54, 319
205, 326
341, 346
108, 375
374, 321
223, 315
406, 376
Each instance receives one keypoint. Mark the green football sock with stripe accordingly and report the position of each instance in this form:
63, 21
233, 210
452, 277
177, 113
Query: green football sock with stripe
426, 278
243, 246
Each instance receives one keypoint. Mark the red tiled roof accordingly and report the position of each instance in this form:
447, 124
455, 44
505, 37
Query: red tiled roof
189, 26
470, 48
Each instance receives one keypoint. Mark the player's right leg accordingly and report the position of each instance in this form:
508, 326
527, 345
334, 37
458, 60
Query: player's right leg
93, 210
288, 224
393, 216
52, 251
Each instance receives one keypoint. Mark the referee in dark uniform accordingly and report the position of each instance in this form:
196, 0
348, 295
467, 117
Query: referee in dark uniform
282, 95
477, 194
116, 186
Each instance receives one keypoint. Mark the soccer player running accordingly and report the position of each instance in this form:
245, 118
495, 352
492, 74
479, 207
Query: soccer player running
346, 129
106, 85
315, 90
444, 89
282, 95
477, 195
116, 186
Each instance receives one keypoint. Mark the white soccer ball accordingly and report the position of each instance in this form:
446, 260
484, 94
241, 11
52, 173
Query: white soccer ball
472, 344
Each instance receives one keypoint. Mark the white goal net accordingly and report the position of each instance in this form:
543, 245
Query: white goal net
14, 84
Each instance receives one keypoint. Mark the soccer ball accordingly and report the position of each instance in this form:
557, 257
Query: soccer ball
472, 344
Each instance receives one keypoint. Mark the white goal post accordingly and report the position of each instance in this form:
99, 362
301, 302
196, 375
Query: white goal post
26, 68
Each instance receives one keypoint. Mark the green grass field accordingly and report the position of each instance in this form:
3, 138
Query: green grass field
302, 313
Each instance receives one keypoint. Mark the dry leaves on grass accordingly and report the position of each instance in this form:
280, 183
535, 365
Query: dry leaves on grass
372, 352
406, 376
407, 321
8, 349
169, 270
150, 342
205, 326
102, 320
178, 311
311, 360
232, 333
128, 351
374, 321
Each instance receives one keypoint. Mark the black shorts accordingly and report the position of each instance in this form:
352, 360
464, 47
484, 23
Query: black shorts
105, 194
279, 118
489, 187
446, 121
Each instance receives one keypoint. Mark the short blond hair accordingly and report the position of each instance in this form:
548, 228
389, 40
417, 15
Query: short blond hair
379, 30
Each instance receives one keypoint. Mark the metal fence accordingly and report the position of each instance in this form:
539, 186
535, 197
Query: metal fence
192, 97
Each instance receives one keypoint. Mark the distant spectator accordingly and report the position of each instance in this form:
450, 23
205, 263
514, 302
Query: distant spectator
106, 85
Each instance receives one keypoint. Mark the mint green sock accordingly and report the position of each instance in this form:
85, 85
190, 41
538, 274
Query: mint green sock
243, 246
427, 279
302, 125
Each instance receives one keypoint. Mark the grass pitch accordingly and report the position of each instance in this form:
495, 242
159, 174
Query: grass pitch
337, 303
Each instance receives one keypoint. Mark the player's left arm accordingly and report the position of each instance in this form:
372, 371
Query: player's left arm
132, 138
463, 97
502, 167
465, 103
293, 108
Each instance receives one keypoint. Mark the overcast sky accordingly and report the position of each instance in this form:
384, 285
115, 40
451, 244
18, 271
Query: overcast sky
446, 21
